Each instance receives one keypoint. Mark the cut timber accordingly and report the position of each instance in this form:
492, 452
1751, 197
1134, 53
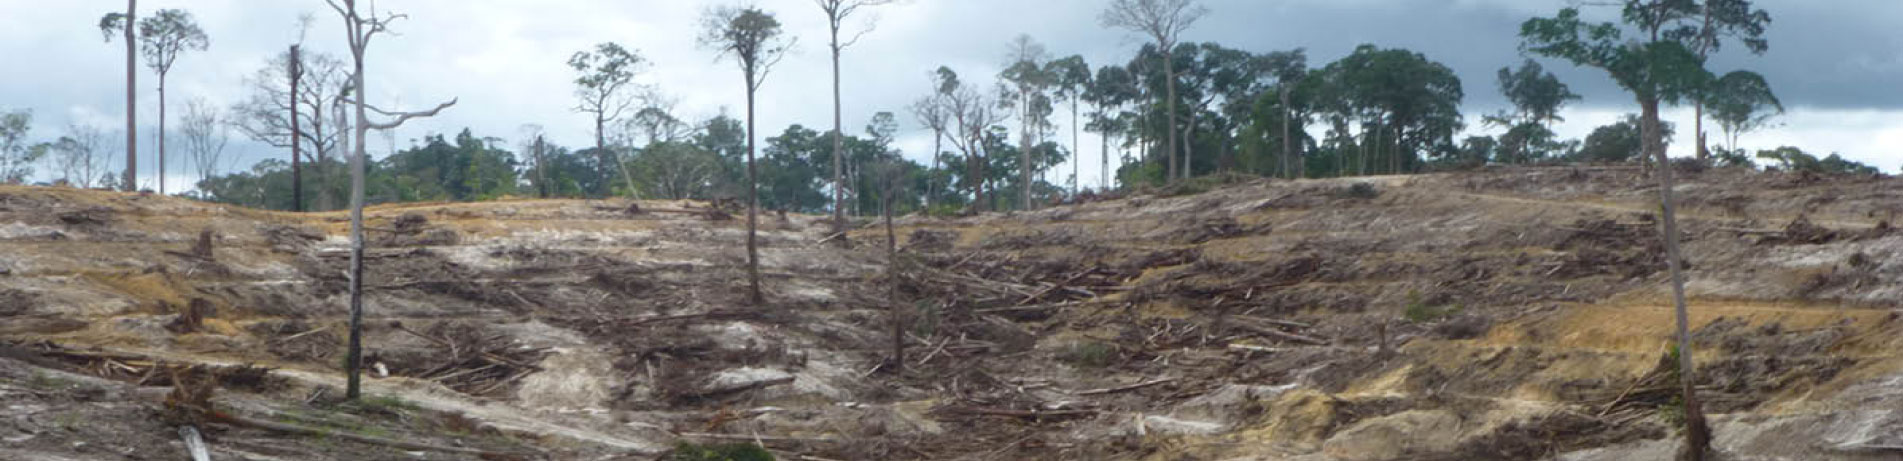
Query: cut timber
741, 387
1278, 334
1131, 387
293, 429
1034, 414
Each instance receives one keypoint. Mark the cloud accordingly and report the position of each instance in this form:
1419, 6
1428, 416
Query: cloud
1834, 63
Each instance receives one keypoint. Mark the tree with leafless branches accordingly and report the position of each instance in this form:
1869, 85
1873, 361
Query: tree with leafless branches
359, 29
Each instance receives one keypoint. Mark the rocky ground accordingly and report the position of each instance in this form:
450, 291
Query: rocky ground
1512, 314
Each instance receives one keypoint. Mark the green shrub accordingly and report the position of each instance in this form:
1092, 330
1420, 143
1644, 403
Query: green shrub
1360, 191
1089, 354
718, 452
1419, 311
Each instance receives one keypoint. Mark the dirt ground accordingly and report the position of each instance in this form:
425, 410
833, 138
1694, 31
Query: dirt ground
1503, 314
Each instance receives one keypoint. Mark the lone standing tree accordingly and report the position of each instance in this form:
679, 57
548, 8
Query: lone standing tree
1164, 22
121, 22
1660, 66
359, 29
607, 76
164, 35
753, 38
837, 11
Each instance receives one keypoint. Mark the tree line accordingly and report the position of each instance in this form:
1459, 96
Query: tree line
996, 143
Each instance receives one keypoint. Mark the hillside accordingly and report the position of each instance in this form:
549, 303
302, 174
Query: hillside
1510, 314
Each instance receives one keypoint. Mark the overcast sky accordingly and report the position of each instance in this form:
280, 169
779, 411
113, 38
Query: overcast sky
1837, 64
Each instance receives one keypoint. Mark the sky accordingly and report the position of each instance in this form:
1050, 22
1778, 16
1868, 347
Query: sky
1836, 64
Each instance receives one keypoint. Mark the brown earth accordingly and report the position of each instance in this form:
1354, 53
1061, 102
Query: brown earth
1512, 314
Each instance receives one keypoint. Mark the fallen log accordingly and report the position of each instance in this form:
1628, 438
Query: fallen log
294, 429
1112, 390
739, 388
1281, 335
1033, 414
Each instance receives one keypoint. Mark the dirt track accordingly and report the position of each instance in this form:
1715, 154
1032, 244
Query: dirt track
1496, 315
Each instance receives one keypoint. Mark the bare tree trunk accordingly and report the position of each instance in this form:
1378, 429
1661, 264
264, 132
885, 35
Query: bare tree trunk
1024, 147
1697, 434
753, 207
161, 133
931, 184
541, 169
353, 360
1169, 104
892, 283
1103, 176
1074, 158
1288, 149
839, 143
297, 170
1698, 112
1189, 139
132, 99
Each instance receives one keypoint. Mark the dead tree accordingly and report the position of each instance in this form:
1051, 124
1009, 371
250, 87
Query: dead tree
891, 176
297, 150
837, 11
106, 25
359, 29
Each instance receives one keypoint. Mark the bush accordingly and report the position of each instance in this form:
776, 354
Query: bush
1360, 191
1420, 311
1089, 354
718, 452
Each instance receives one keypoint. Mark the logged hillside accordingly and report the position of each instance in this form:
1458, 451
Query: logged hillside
1515, 314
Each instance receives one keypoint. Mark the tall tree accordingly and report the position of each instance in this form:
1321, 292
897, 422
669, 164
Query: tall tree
837, 12
79, 155
1290, 69
604, 87
1718, 20
1110, 90
163, 37
1656, 70
972, 113
16, 156
533, 144
1537, 97
123, 23
268, 112
1072, 77
754, 40
1741, 102
1162, 21
358, 30
206, 134
934, 112
1028, 80
1406, 103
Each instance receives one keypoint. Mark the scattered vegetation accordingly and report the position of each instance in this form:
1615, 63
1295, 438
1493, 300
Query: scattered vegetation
1089, 354
1420, 311
687, 451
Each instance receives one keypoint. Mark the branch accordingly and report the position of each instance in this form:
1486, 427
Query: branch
401, 116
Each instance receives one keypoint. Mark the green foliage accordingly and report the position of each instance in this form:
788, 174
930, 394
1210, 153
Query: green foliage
1618, 142
1420, 311
16, 157
1411, 102
687, 451
1089, 354
1793, 159
1741, 102
1360, 191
